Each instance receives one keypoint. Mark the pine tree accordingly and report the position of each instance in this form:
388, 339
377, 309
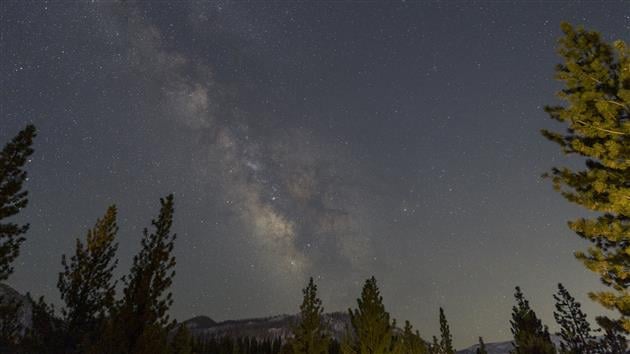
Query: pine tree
372, 327
613, 341
446, 339
410, 342
596, 76
530, 336
310, 335
86, 285
140, 322
575, 330
482, 347
182, 342
435, 347
13, 198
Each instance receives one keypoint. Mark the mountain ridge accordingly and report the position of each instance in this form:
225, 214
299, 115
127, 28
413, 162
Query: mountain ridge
272, 327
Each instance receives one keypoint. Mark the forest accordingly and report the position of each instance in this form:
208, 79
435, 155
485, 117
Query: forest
96, 318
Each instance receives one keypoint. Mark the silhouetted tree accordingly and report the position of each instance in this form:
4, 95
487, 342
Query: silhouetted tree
435, 347
182, 342
575, 330
371, 325
613, 341
13, 198
597, 114
140, 322
310, 335
530, 336
446, 339
482, 347
86, 284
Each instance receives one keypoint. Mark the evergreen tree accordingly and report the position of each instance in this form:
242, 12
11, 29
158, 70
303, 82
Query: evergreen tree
140, 322
435, 347
86, 285
372, 327
410, 342
613, 341
482, 347
182, 342
530, 336
575, 330
310, 335
446, 339
13, 198
597, 115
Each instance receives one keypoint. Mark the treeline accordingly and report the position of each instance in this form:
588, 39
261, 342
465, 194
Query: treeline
371, 330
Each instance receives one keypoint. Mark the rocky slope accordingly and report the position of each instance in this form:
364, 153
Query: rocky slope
7, 293
260, 328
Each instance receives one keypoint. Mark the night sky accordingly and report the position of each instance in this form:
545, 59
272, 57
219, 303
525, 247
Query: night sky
337, 140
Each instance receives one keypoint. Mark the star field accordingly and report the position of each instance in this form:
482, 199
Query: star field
337, 140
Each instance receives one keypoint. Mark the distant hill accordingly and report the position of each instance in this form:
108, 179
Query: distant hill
280, 326
492, 348
260, 328
500, 347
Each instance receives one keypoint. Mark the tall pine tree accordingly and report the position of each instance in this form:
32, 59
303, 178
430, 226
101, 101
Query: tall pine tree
13, 198
530, 336
86, 284
614, 340
372, 329
310, 335
446, 339
140, 322
575, 330
596, 77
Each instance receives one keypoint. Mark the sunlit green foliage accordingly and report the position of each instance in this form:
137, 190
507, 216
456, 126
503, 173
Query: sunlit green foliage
140, 322
86, 284
410, 342
372, 330
310, 335
596, 112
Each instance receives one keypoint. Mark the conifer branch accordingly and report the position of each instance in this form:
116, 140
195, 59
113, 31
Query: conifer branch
601, 129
